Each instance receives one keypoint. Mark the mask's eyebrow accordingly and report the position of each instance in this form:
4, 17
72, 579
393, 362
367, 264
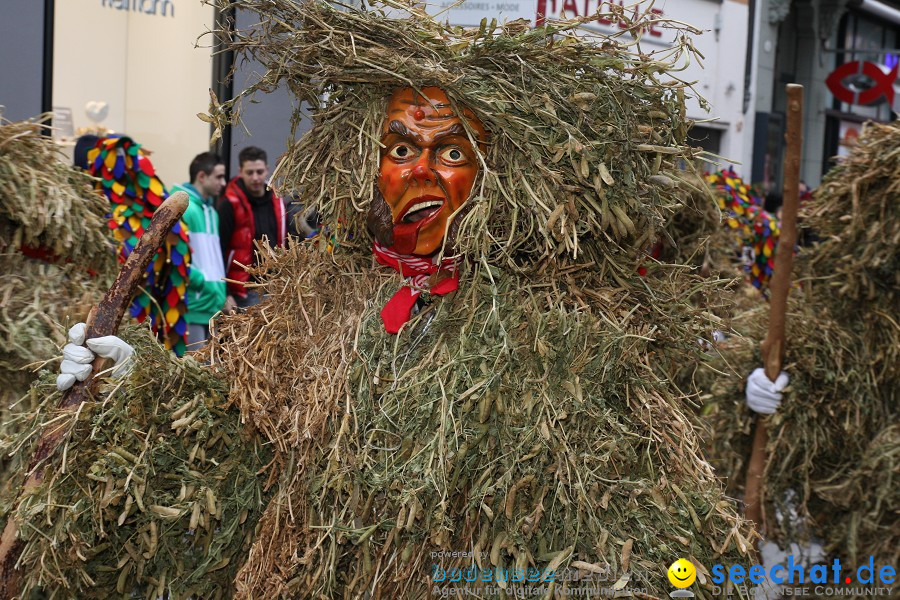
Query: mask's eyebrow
398, 128
455, 130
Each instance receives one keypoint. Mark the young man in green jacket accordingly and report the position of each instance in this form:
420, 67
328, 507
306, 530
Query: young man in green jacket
206, 287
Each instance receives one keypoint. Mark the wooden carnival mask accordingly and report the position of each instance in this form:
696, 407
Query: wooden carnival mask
427, 169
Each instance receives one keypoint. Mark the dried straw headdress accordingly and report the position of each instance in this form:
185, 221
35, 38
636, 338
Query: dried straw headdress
584, 134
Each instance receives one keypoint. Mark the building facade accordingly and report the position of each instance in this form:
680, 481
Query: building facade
144, 68
845, 54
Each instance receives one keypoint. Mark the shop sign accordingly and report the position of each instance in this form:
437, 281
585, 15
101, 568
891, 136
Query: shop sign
863, 82
471, 12
163, 8
567, 9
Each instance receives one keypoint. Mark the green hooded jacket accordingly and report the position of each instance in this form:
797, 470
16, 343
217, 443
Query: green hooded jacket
206, 286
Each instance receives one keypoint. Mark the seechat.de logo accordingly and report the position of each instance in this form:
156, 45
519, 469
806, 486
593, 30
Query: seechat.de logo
682, 574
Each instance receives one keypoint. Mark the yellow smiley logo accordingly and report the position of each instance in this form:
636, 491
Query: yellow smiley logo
682, 573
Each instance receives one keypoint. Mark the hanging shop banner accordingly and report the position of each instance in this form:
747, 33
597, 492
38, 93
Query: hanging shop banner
471, 12
863, 82
163, 8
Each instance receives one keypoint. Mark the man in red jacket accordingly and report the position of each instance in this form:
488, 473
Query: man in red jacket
248, 211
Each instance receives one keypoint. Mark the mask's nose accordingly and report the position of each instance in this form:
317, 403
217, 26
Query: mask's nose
421, 172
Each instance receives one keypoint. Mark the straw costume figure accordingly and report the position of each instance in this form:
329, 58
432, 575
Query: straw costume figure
834, 438
471, 381
55, 257
56, 253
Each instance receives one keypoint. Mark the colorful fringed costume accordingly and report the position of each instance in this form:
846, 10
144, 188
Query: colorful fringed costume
130, 183
757, 229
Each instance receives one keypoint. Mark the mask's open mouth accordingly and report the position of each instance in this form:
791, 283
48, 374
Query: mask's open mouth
419, 214
421, 208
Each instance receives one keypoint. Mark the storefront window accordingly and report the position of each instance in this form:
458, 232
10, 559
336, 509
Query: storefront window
865, 40
863, 47
132, 67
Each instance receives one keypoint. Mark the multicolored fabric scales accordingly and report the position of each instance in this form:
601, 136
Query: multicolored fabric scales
758, 230
129, 181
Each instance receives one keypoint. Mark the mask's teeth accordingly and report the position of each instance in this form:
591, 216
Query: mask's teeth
420, 208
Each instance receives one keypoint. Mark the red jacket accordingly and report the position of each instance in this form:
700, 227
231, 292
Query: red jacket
240, 245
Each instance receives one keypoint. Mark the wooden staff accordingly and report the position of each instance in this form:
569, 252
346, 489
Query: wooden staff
780, 286
103, 320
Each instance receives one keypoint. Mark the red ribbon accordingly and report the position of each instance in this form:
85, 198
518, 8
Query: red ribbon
655, 252
418, 271
48, 256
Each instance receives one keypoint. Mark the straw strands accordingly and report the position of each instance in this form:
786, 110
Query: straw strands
44, 203
834, 445
154, 492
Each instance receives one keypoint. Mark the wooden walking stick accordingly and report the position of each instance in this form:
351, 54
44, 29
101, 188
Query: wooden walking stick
103, 320
780, 286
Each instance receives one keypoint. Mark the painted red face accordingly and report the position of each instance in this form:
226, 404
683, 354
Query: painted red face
428, 167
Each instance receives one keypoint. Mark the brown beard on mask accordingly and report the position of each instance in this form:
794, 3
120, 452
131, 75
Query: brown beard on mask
380, 221
453, 230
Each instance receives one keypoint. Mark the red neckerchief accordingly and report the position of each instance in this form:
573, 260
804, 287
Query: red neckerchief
417, 271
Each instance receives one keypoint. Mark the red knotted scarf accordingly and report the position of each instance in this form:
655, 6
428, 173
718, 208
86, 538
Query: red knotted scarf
417, 271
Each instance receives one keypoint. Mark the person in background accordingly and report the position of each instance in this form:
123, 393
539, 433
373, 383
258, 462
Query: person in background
206, 286
79, 154
249, 212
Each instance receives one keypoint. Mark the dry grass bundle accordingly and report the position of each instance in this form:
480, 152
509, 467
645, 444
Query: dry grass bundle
524, 419
44, 203
153, 493
584, 133
835, 442
857, 215
38, 299
696, 234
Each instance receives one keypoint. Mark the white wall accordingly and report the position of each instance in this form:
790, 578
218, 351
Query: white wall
145, 66
720, 78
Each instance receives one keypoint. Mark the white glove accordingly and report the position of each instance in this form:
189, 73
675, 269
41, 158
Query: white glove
76, 364
764, 395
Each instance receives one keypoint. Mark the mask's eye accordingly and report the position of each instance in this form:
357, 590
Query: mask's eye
452, 156
401, 152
